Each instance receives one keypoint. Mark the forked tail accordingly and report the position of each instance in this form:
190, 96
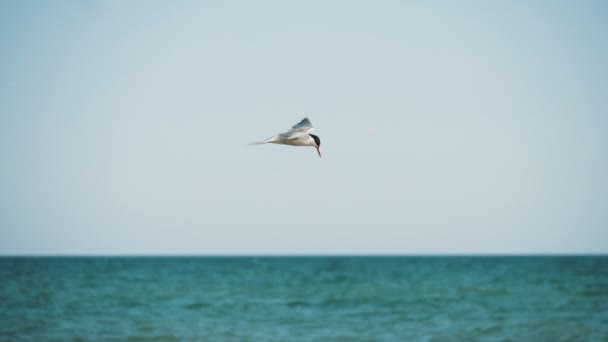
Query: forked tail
267, 141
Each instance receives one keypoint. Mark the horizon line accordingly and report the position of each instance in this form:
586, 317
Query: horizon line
296, 255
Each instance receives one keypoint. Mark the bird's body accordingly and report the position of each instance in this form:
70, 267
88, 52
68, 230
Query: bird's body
298, 135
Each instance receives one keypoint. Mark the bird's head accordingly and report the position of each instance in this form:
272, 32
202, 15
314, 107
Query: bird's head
317, 143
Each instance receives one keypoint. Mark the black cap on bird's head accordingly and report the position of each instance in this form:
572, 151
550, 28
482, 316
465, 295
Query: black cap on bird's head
317, 142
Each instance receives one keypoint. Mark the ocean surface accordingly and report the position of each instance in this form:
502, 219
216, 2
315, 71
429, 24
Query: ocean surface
304, 298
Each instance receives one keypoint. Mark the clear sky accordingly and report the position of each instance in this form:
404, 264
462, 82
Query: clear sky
447, 127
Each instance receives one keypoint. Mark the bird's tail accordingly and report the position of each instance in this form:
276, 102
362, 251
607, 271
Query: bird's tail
267, 141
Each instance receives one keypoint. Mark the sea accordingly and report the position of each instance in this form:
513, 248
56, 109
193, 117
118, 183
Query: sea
350, 298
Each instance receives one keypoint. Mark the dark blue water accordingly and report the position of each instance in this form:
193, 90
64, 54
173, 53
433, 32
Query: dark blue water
304, 298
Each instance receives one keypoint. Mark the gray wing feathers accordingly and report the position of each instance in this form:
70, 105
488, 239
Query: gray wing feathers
305, 123
292, 134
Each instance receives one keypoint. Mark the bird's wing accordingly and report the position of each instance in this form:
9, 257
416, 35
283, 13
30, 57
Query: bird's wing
302, 126
292, 134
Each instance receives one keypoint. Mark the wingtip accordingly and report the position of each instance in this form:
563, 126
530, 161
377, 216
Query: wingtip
303, 123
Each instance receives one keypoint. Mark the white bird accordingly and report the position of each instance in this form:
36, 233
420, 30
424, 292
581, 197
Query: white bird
298, 135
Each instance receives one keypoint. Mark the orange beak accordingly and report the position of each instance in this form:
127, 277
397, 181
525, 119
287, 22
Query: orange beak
319, 151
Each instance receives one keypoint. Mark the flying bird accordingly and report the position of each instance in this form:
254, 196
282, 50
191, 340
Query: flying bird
298, 135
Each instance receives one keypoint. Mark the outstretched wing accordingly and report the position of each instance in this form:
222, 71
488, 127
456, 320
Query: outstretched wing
303, 126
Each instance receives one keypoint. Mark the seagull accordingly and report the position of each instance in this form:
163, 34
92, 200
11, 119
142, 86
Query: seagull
298, 135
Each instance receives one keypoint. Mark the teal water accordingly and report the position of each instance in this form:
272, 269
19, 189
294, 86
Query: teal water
304, 298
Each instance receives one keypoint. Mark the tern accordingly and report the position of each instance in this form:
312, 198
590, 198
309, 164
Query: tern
298, 135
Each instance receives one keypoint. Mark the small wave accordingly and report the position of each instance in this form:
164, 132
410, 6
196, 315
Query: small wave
196, 306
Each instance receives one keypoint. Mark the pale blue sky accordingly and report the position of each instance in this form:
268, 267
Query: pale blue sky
447, 127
